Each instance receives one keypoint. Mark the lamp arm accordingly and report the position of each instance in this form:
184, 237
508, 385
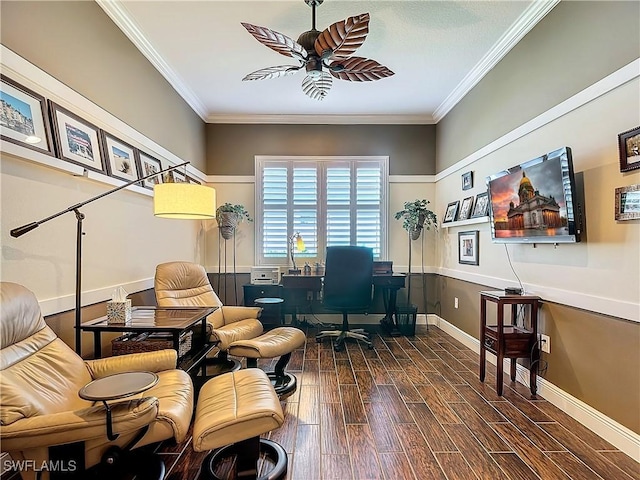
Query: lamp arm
19, 231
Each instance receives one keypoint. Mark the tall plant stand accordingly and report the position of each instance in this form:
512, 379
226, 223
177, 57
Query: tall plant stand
424, 280
222, 239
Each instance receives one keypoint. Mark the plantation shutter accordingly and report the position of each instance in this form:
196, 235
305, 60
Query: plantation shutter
329, 201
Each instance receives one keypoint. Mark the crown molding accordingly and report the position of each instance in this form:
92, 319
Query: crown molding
325, 119
529, 19
118, 13
625, 74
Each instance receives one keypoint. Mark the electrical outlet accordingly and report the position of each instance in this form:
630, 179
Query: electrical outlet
455, 302
310, 295
545, 343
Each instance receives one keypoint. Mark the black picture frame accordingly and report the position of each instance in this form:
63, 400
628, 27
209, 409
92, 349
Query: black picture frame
120, 157
629, 148
147, 165
465, 208
451, 212
467, 180
481, 207
24, 117
77, 141
468, 247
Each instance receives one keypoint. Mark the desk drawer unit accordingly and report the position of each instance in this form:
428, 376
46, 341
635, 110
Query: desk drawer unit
517, 341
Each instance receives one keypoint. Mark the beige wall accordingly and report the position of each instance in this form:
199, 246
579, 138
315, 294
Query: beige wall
590, 289
593, 357
231, 148
575, 45
78, 44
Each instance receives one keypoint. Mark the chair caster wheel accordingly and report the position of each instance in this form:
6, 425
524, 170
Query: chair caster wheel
370, 346
338, 348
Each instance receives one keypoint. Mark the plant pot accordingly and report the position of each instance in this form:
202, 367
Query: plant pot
227, 222
415, 233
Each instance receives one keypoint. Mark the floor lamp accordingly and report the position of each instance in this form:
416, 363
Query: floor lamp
171, 200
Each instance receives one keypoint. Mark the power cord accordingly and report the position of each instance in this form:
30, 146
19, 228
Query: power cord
513, 269
539, 364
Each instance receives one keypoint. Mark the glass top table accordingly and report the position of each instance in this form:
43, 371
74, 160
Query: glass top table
174, 320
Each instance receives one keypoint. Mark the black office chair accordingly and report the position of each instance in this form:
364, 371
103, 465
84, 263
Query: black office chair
347, 289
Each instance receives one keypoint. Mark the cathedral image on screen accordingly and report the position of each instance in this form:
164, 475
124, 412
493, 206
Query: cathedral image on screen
535, 210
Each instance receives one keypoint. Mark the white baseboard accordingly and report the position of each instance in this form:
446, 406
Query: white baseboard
618, 435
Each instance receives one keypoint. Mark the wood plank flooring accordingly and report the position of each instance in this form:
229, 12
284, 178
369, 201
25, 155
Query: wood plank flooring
414, 409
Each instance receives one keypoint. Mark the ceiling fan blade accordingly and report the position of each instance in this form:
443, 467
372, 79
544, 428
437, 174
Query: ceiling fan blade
317, 88
272, 72
358, 69
276, 41
341, 39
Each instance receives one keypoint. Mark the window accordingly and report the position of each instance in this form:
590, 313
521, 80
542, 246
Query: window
328, 200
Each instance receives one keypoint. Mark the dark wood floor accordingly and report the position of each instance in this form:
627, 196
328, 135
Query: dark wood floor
413, 408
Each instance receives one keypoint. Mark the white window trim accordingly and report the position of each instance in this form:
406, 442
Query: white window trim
384, 207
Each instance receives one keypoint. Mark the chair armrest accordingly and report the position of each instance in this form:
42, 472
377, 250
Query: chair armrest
234, 314
157, 361
78, 425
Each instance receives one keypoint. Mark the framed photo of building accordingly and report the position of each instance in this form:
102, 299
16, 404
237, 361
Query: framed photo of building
148, 166
481, 208
121, 158
468, 247
190, 179
450, 213
23, 117
77, 140
629, 146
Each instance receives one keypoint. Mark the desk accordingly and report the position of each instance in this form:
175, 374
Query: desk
389, 283
509, 341
152, 319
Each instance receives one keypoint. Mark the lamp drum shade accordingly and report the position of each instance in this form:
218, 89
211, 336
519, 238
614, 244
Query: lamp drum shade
184, 200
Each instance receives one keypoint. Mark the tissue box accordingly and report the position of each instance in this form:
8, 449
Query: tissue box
119, 312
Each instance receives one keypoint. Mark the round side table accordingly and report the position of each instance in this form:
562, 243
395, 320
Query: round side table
273, 302
115, 387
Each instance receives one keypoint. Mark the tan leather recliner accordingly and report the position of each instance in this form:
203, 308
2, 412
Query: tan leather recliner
40, 377
180, 284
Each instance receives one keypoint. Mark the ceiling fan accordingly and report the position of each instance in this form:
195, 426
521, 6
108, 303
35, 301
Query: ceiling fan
322, 54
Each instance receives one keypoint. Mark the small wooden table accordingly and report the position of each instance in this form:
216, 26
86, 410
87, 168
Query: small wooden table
174, 320
509, 341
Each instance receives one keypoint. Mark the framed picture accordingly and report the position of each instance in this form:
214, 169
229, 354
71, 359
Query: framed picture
468, 247
147, 166
629, 146
452, 210
121, 158
467, 181
77, 140
628, 202
23, 117
481, 208
465, 208
179, 177
193, 180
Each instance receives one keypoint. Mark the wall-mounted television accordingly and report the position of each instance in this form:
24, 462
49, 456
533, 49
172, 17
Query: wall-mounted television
535, 202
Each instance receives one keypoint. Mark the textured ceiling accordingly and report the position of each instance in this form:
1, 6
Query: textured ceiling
437, 49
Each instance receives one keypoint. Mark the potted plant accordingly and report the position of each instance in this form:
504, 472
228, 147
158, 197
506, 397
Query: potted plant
229, 216
416, 216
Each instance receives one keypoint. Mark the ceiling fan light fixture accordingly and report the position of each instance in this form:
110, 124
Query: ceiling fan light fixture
331, 49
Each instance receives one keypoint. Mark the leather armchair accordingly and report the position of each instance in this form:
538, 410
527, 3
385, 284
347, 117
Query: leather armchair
184, 284
40, 377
